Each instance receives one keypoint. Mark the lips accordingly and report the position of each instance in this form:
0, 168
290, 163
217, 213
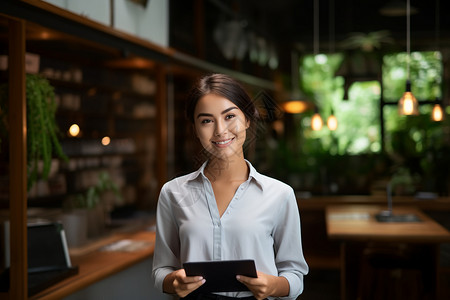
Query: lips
223, 142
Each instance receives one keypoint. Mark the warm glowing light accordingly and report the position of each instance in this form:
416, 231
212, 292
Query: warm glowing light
437, 114
278, 126
316, 122
106, 140
45, 35
74, 130
332, 123
295, 106
408, 105
140, 63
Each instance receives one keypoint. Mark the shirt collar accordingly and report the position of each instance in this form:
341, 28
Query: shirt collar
253, 174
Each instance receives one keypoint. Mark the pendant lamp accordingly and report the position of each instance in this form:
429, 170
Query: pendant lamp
332, 122
316, 120
437, 114
298, 103
408, 105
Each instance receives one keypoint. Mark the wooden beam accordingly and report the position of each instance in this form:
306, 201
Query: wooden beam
18, 161
161, 126
199, 25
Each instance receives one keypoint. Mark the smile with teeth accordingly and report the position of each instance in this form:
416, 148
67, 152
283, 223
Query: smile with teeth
224, 142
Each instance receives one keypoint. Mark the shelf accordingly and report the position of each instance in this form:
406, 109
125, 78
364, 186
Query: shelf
116, 92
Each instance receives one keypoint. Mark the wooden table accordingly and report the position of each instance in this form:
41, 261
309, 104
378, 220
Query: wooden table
357, 225
95, 264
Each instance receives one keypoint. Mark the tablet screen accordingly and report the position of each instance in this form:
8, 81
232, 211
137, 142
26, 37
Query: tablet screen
221, 275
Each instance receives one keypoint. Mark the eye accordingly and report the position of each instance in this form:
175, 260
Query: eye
230, 116
205, 121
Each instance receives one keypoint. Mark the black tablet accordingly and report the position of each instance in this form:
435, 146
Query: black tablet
221, 275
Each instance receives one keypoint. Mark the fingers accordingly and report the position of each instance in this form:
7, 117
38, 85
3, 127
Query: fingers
185, 285
260, 279
258, 286
246, 280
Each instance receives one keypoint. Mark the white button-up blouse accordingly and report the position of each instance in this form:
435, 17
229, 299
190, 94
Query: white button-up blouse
261, 222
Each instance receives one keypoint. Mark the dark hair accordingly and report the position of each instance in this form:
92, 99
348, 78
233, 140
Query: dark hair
225, 86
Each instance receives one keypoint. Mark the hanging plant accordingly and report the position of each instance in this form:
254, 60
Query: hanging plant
42, 130
367, 42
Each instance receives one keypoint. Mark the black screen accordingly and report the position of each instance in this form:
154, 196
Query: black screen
45, 247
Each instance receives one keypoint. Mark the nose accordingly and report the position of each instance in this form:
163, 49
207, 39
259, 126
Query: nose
220, 129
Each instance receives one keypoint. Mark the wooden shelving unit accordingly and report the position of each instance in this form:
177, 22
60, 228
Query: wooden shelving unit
16, 19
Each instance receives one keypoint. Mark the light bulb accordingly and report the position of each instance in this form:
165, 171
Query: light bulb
437, 114
295, 106
408, 105
332, 123
74, 130
316, 122
106, 140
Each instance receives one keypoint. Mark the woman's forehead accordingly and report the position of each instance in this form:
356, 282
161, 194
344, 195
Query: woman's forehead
214, 101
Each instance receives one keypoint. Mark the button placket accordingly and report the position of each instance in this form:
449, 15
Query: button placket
217, 232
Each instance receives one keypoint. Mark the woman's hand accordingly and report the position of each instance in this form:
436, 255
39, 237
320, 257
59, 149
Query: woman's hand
265, 285
178, 283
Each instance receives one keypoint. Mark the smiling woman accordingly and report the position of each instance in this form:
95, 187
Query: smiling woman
226, 210
220, 126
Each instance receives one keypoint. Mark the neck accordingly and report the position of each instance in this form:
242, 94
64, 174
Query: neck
227, 169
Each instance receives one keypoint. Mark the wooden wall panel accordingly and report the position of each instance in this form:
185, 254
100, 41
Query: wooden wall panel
18, 161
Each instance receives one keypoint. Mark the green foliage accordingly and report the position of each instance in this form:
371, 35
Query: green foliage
416, 142
92, 196
415, 147
42, 130
358, 119
367, 42
420, 145
425, 72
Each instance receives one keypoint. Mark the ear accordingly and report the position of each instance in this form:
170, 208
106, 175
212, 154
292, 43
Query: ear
247, 124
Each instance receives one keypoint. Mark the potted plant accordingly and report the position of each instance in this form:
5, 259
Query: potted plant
88, 211
42, 129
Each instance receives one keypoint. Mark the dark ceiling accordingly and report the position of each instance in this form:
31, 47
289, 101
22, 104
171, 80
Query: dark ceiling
289, 24
291, 21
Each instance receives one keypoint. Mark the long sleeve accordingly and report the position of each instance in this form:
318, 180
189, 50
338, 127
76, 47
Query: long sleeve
166, 254
289, 257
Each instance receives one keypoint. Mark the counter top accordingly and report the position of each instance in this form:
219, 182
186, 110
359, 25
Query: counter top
101, 259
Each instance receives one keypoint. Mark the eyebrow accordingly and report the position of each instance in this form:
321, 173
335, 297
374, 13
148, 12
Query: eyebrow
223, 112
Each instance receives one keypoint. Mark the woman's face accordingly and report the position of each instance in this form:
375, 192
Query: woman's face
220, 126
